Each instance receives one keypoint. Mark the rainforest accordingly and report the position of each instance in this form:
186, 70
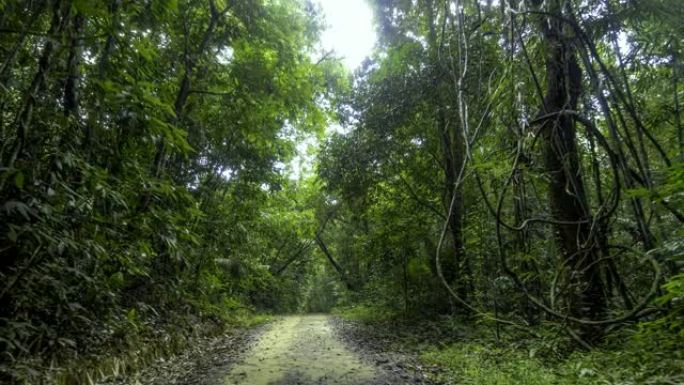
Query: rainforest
197, 192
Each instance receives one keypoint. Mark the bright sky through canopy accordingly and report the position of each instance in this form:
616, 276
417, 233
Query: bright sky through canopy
351, 35
350, 30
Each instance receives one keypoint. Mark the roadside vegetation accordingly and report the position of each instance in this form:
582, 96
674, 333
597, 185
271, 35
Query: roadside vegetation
453, 350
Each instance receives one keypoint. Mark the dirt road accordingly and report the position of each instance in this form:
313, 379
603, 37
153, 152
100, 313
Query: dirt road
301, 350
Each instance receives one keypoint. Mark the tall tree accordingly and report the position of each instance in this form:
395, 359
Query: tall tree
580, 247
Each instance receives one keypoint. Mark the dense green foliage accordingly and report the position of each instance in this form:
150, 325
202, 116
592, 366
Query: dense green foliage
142, 180
458, 113
517, 165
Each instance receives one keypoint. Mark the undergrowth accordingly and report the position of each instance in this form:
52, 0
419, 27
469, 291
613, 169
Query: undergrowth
484, 362
139, 340
366, 313
470, 353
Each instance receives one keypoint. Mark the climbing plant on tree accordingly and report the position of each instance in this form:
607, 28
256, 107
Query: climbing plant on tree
525, 113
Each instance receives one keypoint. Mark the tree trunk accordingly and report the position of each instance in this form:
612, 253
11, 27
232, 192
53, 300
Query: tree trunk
579, 248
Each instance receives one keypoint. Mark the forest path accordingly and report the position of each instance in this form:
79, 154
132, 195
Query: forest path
301, 349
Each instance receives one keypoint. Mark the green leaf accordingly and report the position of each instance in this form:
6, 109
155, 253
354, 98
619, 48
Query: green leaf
131, 315
12, 235
86, 7
19, 180
20, 207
